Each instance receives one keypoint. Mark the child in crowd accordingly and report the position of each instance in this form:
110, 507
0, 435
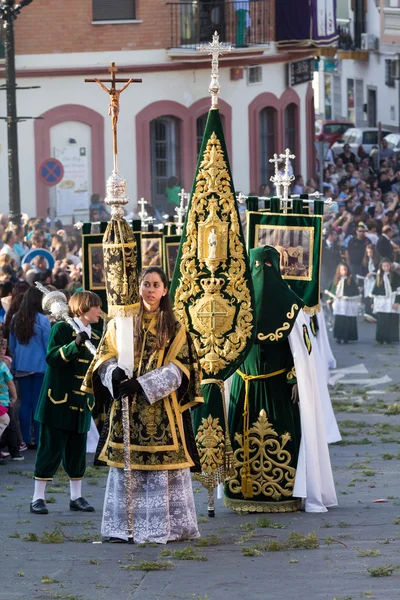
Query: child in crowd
345, 298
386, 299
8, 397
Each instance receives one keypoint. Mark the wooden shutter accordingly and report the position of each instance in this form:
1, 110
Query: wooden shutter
113, 10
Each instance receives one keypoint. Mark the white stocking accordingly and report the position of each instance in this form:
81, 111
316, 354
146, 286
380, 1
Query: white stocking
76, 488
40, 488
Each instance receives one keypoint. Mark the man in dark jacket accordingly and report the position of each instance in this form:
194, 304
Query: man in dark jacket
385, 245
356, 250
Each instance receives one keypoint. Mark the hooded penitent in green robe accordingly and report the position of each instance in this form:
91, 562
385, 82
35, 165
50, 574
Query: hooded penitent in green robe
264, 422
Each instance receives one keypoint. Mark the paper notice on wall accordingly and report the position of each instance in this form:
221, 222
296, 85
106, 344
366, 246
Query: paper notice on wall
72, 192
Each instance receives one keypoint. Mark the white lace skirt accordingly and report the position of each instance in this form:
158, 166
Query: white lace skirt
163, 506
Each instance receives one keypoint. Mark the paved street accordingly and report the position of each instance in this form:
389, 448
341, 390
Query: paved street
238, 557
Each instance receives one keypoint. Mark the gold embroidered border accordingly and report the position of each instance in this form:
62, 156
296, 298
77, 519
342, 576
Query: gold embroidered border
63, 355
274, 337
57, 401
263, 507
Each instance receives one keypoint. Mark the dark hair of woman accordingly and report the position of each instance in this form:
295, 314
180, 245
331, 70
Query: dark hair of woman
17, 294
166, 325
379, 278
61, 280
375, 256
338, 276
24, 321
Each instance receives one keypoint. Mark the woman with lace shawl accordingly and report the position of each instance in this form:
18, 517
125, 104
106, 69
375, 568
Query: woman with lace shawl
386, 303
163, 386
344, 296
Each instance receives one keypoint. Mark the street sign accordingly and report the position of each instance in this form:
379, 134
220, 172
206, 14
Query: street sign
51, 171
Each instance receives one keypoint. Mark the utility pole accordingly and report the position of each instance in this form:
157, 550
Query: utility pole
8, 13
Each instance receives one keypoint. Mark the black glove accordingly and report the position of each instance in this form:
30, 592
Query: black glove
81, 338
130, 387
118, 374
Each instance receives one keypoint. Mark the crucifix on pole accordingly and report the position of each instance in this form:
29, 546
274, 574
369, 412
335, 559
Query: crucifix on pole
113, 108
276, 179
216, 49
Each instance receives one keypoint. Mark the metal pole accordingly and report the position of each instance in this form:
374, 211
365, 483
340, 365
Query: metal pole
12, 136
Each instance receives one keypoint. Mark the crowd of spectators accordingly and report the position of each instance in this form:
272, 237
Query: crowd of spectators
367, 211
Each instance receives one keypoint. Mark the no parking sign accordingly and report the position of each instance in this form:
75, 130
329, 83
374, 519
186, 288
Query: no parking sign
51, 171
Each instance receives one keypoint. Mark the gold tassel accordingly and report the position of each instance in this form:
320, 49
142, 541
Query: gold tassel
244, 481
229, 465
125, 286
249, 487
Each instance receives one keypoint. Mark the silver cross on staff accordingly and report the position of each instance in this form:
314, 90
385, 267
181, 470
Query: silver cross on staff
286, 179
276, 178
143, 213
216, 49
181, 210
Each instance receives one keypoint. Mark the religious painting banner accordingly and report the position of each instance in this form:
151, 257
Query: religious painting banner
93, 274
302, 24
212, 293
152, 249
171, 245
298, 239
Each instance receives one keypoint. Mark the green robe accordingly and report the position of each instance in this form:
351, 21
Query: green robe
264, 423
274, 435
62, 404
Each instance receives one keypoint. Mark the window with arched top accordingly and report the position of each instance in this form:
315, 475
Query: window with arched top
290, 120
267, 141
165, 154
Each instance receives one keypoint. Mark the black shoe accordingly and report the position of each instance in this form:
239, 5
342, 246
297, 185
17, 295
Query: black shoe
39, 507
80, 504
115, 540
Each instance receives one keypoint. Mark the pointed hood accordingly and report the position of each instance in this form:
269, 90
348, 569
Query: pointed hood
277, 306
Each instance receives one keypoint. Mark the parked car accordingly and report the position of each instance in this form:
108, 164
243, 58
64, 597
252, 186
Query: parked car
330, 131
360, 139
393, 140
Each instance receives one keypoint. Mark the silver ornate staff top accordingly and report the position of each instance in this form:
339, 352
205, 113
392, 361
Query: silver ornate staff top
216, 49
56, 303
181, 209
276, 178
286, 179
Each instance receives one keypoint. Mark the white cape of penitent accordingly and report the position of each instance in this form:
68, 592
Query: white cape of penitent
325, 349
331, 426
314, 479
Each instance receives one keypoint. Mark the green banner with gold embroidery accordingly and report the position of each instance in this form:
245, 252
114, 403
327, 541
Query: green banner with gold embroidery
298, 239
213, 294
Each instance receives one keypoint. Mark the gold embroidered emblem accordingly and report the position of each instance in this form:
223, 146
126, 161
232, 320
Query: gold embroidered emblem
212, 313
213, 242
210, 441
292, 374
269, 464
274, 337
307, 341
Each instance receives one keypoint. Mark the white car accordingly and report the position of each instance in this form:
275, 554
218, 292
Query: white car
360, 139
393, 140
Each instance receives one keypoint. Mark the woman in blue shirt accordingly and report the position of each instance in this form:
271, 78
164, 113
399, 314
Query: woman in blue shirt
29, 336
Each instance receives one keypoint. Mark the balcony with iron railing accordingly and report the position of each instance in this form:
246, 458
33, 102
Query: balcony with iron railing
243, 23
349, 44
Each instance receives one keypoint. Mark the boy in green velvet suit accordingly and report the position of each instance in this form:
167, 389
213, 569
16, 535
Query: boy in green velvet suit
63, 410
